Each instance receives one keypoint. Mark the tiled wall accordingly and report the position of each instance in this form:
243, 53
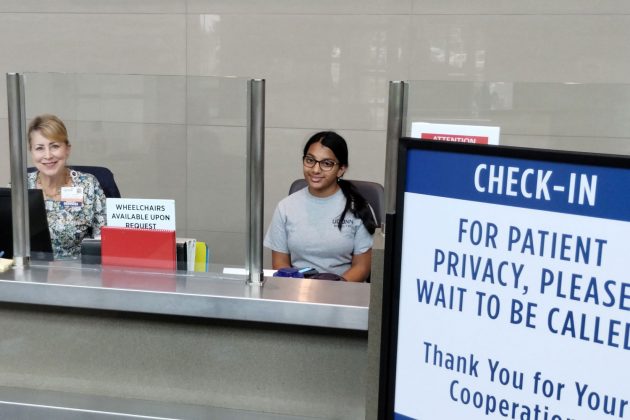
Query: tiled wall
327, 65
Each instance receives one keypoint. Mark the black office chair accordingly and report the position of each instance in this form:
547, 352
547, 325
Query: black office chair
104, 176
373, 192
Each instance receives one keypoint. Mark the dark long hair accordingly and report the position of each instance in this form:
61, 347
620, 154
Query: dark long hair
355, 202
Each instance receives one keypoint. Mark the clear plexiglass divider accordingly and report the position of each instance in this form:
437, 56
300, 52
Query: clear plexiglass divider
562, 116
582, 117
180, 138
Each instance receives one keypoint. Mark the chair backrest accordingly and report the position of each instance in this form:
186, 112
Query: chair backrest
104, 176
373, 192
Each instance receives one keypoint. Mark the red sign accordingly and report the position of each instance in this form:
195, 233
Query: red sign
457, 138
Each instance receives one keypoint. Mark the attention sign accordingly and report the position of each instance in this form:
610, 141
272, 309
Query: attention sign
456, 133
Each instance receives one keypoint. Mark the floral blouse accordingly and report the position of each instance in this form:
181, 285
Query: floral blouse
70, 222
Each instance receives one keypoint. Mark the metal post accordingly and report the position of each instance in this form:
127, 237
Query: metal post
17, 153
255, 178
395, 126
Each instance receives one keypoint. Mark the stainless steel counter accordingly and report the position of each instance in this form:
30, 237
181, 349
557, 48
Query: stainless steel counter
317, 303
16, 403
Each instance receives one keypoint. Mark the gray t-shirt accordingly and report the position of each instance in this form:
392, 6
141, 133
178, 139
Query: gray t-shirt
305, 227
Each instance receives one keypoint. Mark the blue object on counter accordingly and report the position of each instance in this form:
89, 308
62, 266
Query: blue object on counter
289, 272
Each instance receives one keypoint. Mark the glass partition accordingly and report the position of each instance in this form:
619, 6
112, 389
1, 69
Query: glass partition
197, 141
562, 116
181, 138
568, 116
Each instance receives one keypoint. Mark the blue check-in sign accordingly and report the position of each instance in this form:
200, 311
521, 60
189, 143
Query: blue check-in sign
512, 284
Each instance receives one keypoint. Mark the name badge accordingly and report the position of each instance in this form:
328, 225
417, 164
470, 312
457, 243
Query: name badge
72, 194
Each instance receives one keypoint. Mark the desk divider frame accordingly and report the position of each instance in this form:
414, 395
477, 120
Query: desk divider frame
255, 173
17, 151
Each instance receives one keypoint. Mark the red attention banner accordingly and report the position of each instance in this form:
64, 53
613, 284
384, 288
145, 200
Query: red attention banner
457, 138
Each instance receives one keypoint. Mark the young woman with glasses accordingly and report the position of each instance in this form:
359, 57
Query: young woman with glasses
328, 225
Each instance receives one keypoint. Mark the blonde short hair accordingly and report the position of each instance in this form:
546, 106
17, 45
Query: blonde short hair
49, 126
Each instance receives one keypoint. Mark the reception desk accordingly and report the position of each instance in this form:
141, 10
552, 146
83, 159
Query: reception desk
174, 343
290, 301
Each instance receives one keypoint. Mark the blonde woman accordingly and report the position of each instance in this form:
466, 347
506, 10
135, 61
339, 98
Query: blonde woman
75, 202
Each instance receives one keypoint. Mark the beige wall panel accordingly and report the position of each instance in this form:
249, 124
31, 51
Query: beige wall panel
520, 48
320, 70
112, 98
367, 152
91, 43
540, 7
82, 6
219, 101
617, 146
216, 171
310, 7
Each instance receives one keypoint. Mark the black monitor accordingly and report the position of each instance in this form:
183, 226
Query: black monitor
41, 247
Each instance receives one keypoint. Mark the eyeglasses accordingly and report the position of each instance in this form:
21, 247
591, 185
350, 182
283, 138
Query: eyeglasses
325, 165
